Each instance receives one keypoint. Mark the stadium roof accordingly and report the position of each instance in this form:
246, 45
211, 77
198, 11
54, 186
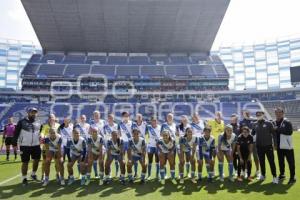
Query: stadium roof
126, 25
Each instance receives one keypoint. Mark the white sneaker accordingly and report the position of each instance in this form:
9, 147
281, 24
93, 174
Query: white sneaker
189, 175
181, 181
257, 174
261, 178
45, 183
101, 182
275, 180
193, 180
62, 182
162, 181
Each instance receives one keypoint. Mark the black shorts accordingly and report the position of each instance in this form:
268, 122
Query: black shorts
10, 141
26, 152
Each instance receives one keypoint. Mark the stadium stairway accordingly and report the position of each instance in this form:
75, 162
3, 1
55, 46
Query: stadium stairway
291, 107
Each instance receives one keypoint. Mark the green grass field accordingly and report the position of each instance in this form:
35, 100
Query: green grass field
10, 187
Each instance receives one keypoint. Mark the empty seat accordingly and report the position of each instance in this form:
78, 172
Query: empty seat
152, 71
30, 69
128, 71
35, 58
180, 60
139, 60
74, 59
160, 60
117, 60
202, 70
96, 60
56, 57
51, 69
177, 70
105, 70
77, 70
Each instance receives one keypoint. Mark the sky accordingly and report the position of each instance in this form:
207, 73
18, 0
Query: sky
245, 22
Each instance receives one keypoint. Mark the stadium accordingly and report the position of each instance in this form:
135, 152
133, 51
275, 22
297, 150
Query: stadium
149, 58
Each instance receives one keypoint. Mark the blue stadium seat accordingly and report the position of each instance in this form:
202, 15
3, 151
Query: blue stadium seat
77, 70
51, 69
74, 59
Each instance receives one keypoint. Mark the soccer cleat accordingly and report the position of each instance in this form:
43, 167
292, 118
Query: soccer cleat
257, 174
174, 181
71, 181
181, 181
210, 180
101, 182
130, 181
97, 177
148, 178
25, 182
142, 182
221, 179
199, 180
122, 182
231, 179
82, 182
87, 182
163, 181
45, 183
189, 175
250, 179
275, 180
33, 177
261, 178
239, 179
57, 178
194, 180
292, 181
281, 177
62, 182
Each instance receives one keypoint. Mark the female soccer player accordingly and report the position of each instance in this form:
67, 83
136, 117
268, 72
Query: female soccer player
166, 147
108, 128
206, 149
136, 153
226, 144
187, 149
65, 130
153, 131
245, 149
115, 151
95, 153
53, 150
77, 147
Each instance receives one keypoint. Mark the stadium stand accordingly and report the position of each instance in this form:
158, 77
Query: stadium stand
291, 107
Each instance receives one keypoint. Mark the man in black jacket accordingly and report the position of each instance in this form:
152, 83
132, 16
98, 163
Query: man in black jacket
284, 131
265, 144
27, 132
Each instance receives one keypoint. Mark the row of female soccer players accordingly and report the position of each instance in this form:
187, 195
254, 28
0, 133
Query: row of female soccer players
116, 142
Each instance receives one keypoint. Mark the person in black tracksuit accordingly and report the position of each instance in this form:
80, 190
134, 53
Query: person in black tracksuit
244, 149
236, 131
284, 129
266, 141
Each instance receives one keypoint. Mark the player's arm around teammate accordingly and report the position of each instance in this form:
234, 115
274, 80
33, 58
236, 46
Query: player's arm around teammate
226, 145
206, 146
95, 153
53, 151
77, 147
166, 147
136, 153
187, 149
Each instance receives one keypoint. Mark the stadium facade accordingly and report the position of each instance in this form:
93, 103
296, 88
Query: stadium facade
14, 54
261, 66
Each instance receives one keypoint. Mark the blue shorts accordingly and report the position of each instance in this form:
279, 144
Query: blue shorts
152, 150
115, 157
136, 158
206, 155
79, 158
125, 146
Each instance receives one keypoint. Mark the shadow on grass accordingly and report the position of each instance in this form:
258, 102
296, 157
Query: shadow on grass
35, 190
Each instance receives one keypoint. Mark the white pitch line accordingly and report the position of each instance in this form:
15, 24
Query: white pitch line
10, 179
